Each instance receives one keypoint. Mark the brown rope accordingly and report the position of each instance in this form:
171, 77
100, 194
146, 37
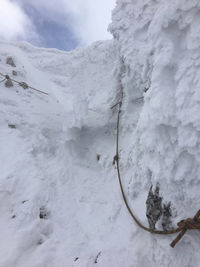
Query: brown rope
183, 225
22, 84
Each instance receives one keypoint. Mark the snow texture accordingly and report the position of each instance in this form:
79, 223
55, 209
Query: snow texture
61, 204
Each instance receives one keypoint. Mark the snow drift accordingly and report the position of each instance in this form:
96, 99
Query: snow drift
60, 199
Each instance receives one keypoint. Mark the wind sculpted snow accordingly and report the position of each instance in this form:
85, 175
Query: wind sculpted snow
60, 199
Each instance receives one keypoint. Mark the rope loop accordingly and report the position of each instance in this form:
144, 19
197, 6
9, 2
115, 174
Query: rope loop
182, 226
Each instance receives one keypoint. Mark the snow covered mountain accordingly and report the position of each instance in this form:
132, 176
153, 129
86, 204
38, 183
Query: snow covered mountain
61, 204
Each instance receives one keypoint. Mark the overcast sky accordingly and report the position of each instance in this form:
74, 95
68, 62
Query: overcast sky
63, 24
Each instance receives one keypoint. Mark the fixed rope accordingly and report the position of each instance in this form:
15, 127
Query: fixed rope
22, 84
3, 80
183, 226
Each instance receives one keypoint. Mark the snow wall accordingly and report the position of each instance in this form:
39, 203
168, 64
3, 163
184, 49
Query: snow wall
159, 44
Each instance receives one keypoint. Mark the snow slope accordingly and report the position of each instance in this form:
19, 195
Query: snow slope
60, 200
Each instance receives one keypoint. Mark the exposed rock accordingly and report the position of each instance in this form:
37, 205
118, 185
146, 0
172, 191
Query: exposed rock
44, 214
14, 73
8, 83
24, 201
12, 126
96, 258
166, 218
153, 207
10, 61
24, 85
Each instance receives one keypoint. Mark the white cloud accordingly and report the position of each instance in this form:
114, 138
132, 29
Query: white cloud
91, 18
88, 19
14, 23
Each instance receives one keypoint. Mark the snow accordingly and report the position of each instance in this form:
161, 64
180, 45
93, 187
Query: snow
60, 204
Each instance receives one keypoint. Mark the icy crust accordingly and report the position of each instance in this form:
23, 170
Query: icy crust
159, 43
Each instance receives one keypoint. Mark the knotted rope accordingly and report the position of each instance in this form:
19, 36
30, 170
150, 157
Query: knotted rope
183, 226
188, 224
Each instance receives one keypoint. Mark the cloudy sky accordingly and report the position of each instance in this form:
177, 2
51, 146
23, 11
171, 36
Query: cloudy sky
63, 24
